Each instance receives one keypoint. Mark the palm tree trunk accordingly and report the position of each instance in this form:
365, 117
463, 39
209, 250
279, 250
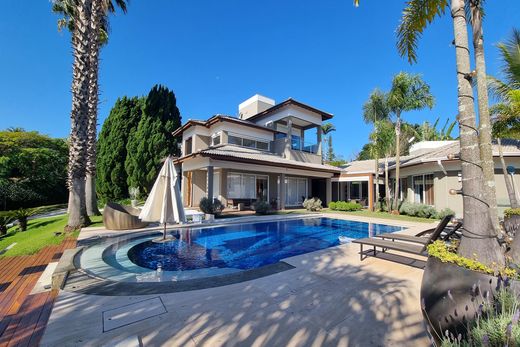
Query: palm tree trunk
79, 121
486, 150
94, 34
397, 159
377, 182
507, 178
478, 236
387, 186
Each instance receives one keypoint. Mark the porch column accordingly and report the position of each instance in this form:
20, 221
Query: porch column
318, 135
328, 191
282, 192
371, 193
224, 137
288, 139
209, 182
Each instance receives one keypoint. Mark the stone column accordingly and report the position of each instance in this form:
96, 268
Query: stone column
288, 139
371, 193
224, 137
328, 191
209, 183
282, 192
318, 139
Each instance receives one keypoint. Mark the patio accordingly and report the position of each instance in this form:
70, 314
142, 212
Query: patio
328, 298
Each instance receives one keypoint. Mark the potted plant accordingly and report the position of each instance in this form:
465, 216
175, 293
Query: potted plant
134, 195
210, 208
261, 207
448, 280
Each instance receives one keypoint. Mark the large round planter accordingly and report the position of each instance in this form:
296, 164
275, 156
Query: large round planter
451, 296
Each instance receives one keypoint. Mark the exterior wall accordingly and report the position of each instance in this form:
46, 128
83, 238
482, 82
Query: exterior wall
198, 186
242, 130
293, 111
304, 156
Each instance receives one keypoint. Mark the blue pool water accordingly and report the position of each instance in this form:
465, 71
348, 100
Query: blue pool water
248, 246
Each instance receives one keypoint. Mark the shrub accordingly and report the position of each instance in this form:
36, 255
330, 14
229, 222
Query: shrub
510, 212
261, 207
345, 206
5, 219
445, 212
418, 210
495, 324
312, 204
211, 207
446, 254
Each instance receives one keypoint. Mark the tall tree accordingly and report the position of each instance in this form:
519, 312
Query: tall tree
330, 150
375, 109
408, 93
152, 141
384, 132
120, 124
484, 133
479, 237
97, 36
326, 129
79, 118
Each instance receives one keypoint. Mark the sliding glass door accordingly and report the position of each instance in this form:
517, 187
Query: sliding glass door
296, 191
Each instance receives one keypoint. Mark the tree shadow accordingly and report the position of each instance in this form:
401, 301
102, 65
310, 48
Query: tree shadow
328, 299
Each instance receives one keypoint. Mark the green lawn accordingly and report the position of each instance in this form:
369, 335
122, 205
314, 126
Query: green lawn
40, 233
382, 215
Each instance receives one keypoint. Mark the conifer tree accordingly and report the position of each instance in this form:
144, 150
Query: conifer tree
153, 140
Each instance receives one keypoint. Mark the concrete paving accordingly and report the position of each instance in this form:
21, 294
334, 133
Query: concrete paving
329, 298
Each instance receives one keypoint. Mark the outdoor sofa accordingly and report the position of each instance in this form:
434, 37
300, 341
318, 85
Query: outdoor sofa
119, 217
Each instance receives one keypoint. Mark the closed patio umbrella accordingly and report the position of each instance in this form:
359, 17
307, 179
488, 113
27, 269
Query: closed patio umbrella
164, 204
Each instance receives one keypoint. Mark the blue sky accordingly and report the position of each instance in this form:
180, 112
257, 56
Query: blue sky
215, 54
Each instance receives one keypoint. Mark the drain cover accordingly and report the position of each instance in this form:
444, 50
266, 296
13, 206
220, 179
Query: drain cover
128, 314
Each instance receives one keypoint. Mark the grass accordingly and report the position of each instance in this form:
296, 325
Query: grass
382, 215
40, 233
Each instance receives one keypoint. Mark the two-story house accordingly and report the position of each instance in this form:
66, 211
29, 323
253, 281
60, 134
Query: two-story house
271, 152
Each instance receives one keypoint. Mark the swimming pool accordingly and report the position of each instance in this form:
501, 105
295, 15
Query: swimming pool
212, 251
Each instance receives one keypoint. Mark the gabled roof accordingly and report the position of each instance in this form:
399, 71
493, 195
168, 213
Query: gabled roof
219, 118
290, 101
237, 153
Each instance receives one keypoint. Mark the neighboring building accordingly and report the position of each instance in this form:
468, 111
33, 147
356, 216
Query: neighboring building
271, 152
426, 176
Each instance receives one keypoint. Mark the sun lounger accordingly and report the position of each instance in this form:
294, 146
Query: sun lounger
420, 238
405, 247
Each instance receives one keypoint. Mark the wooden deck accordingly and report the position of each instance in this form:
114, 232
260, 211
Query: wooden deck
23, 316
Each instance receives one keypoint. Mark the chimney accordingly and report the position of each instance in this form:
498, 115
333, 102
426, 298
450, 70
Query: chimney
254, 105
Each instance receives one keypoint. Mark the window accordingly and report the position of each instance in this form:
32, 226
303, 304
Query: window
215, 139
188, 146
234, 140
296, 142
249, 143
295, 191
423, 189
264, 146
246, 186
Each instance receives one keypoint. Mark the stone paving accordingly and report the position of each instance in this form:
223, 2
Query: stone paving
330, 298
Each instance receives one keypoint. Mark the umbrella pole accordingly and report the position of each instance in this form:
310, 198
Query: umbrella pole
164, 232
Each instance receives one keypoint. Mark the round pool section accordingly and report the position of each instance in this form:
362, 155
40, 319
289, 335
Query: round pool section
196, 253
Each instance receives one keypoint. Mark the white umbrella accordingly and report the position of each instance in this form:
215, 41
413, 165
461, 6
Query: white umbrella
164, 203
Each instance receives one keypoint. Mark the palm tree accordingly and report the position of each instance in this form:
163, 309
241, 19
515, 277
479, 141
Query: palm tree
478, 228
97, 36
79, 118
383, 138
506, 113
375, 109
409, 92
475, 12
327, 128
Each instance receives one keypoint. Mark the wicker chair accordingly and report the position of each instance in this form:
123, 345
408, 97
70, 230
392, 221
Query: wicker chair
119, 217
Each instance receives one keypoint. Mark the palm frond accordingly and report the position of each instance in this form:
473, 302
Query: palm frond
417, 15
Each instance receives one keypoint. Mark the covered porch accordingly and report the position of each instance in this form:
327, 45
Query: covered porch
357, 188
237, 182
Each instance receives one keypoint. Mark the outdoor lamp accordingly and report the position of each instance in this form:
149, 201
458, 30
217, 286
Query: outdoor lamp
510, 169
455, 191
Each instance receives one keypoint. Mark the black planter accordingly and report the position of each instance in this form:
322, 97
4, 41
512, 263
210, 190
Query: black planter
451, 295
